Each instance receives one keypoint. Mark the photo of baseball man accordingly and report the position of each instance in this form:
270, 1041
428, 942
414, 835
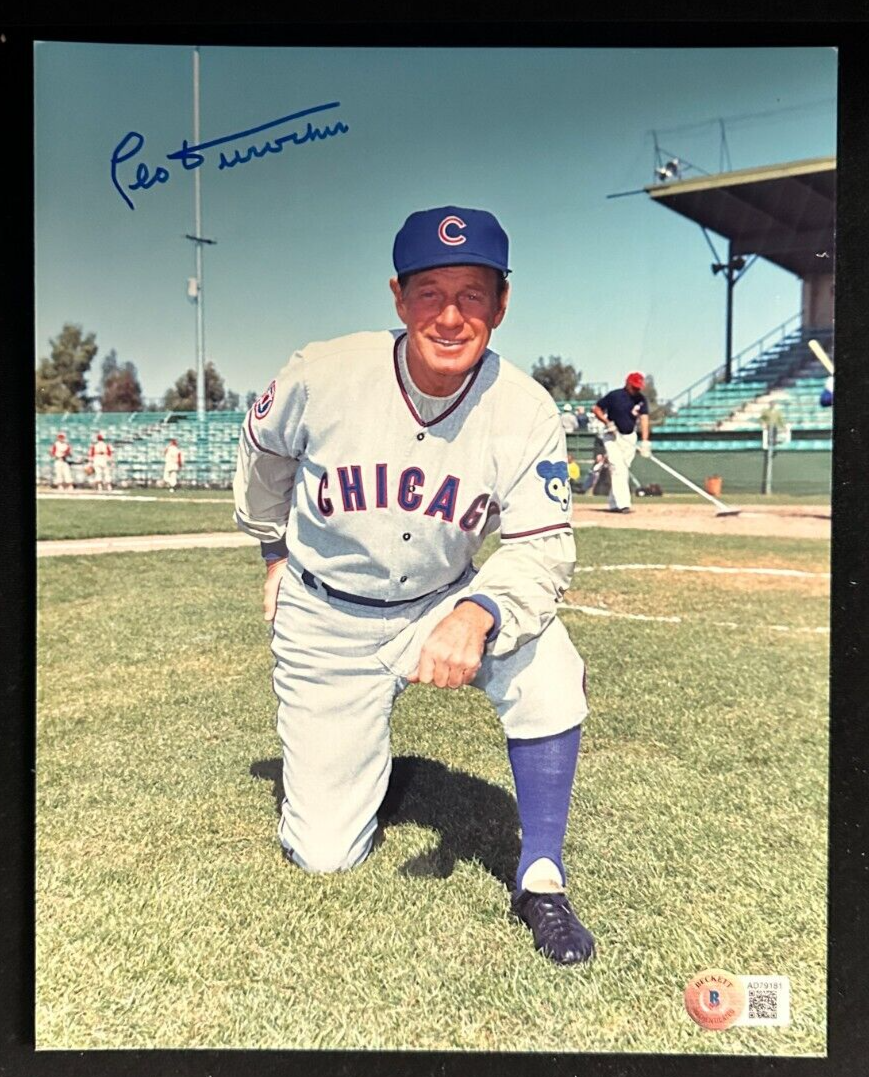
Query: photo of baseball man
432, 628
368, 534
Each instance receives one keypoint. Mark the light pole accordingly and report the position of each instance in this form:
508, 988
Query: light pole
198, 239
733, 269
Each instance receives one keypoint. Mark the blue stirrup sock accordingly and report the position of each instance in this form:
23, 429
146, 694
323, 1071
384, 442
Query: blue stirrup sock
543, 770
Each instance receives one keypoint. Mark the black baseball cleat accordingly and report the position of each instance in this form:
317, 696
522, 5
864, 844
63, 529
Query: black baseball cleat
557, 932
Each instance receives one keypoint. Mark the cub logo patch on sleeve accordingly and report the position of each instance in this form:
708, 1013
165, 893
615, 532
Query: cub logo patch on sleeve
554, 475
262, 407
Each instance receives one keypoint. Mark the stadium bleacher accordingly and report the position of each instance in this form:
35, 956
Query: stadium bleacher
138, 441
723, 417
727, 415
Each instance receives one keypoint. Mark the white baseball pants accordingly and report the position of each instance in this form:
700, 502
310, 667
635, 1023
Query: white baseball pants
339, 667
620, 452
62, 473
102, 474
170, 477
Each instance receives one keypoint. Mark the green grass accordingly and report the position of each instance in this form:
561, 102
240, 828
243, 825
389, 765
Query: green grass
167, 918
600, 546
171, 514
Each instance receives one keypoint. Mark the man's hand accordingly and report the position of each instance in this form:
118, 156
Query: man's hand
274, 571
611, 427
645, 449
452, 654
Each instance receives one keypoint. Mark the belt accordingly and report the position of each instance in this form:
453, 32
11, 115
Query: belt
310, 580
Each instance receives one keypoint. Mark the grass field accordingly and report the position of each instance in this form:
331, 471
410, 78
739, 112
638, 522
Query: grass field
200, 510
167, 918
167, 515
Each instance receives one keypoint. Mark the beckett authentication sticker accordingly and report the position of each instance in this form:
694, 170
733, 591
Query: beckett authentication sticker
715, 999
718, 1000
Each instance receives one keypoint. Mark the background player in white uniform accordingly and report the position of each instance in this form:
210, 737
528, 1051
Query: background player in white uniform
61, 452
173, 462
100, 456
569, 421
621, 410
369, 529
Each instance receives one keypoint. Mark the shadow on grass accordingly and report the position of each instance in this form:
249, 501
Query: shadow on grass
475, 820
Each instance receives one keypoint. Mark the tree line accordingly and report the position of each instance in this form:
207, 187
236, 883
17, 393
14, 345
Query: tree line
563, 382
61, 381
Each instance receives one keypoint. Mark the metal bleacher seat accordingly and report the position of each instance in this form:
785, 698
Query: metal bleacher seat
786, 375
139, 439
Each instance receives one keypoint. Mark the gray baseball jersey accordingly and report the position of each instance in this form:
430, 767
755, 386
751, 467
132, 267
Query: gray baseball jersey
375, 499
387, 494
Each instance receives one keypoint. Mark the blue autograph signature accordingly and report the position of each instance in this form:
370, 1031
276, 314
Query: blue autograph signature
191, 157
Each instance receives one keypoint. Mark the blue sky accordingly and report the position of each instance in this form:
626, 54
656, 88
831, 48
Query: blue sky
538, 136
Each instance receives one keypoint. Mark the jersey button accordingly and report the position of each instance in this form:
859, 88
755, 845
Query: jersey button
403, 579
420, 436
406, 536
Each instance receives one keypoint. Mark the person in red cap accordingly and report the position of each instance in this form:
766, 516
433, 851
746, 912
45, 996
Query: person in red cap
61, 453
621, 410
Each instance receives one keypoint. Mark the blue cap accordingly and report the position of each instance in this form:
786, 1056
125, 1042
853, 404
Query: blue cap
450, 236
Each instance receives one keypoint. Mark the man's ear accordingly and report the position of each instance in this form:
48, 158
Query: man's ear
502, 306
400, 308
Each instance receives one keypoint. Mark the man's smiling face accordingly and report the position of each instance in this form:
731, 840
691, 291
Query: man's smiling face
450, 313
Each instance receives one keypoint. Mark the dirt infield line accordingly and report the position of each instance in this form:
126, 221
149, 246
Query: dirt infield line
228, 539
774, 521
167, 499
142, 543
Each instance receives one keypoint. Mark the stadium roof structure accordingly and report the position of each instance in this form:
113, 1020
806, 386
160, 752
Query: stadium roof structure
783, 213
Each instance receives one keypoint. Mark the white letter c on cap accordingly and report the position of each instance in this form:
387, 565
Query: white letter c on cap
451, 241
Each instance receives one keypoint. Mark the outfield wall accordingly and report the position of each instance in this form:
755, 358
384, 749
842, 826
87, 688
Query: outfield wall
802, 467
741, 471
209, 448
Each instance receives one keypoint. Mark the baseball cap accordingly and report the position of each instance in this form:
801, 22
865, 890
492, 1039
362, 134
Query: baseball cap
635, 379
450, 235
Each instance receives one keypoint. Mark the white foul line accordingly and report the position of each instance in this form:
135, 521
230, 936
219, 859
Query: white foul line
719, 569
142, 543
596, 611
